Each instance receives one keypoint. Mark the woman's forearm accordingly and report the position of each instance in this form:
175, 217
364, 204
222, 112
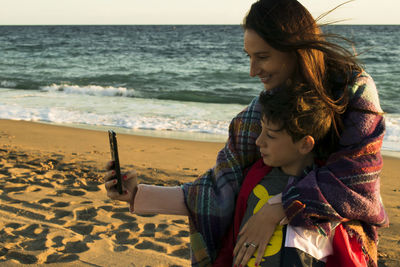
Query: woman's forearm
151, 199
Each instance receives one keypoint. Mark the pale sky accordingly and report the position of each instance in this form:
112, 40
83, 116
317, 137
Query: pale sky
45, 12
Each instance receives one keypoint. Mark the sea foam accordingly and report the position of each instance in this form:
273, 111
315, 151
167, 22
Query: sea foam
89, 90
96, 108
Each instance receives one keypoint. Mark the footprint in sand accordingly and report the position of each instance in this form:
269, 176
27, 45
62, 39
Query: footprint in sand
167, 232
60, 204
35, 244
67, 252
173, 241
106, 208
121, 210
183, 233
4, 170
21, 212
123, 238
71, 192
68, 180
92, 186
32, 231
75, 247
152, 246
35, 163
161, 227
82, 229
86, 214
6, 237
45, 201
63, 166
58, 177
148, 230
22, 258
41, 182
14, 189
14, 225
120, 248
58, 242
3, 251
183, 253
34, 206
62, 213
132, 226
28, 238
123, 215
61, 258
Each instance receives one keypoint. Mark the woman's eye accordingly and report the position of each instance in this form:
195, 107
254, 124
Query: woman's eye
263, 57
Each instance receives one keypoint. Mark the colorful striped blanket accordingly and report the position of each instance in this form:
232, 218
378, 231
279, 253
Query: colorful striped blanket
346, 188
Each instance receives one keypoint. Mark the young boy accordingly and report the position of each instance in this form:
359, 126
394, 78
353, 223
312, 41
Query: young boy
297, 131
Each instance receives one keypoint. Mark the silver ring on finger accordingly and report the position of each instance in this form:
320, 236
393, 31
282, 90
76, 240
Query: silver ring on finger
248, 244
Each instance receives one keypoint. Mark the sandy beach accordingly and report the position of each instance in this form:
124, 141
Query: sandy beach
54, 210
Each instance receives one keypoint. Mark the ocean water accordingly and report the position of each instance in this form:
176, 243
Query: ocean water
173, 81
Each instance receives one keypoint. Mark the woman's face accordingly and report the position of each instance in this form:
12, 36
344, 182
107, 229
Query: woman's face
273, 67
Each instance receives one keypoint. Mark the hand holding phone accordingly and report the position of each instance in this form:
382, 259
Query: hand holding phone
114, 157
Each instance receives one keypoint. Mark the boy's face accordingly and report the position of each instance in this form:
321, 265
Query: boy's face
278, 149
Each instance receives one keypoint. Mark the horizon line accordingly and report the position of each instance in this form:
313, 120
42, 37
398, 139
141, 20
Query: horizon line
188, 24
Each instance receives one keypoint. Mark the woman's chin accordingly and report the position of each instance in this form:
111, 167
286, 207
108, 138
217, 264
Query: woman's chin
267, 87
270, 86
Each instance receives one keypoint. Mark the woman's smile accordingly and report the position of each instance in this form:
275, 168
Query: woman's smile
266, 79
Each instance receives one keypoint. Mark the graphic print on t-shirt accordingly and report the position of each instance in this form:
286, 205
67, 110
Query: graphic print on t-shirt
275, 243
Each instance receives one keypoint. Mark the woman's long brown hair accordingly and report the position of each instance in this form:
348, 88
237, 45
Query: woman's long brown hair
324, 66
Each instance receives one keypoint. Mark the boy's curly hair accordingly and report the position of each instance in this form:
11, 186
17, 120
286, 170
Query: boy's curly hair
301, 112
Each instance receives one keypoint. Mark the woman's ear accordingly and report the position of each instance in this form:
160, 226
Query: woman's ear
306, 144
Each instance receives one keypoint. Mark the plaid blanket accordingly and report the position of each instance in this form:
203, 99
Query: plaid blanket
346, 188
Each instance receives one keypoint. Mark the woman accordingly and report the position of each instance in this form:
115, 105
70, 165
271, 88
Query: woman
333, 72
287, 49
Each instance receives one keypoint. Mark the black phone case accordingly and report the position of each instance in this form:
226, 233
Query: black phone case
114, 157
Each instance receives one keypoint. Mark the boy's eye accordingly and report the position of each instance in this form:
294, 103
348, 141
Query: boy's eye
270, 136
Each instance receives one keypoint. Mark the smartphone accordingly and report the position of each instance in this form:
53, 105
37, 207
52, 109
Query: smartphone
114, 157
